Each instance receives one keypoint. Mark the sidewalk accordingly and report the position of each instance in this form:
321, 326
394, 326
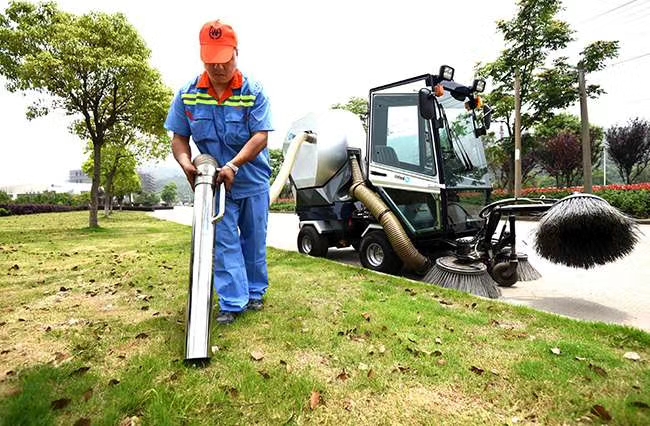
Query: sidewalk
615, 293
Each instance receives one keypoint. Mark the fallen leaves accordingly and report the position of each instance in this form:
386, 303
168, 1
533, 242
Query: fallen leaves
60, 404
598, 370
314, 400
601, 412
556, 351
632, 356
80, 371
343, 376
257, 355
477, 370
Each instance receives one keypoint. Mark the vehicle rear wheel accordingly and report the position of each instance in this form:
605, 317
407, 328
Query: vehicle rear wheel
377, 254
312, 243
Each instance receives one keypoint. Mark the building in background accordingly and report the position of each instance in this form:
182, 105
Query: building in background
78, 176
148, 182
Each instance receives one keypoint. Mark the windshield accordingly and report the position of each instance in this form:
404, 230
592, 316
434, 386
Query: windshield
463, 153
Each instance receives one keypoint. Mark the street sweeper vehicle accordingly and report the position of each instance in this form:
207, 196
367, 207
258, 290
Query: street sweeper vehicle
413, 193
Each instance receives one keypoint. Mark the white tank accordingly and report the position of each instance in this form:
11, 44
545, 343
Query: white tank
336, 130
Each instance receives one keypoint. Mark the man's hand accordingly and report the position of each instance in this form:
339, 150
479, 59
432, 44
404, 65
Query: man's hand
190, 173
227, 176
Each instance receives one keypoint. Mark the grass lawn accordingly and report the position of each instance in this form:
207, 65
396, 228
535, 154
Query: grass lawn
92, 332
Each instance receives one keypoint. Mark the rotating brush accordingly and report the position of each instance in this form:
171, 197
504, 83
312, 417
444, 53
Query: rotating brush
584, 230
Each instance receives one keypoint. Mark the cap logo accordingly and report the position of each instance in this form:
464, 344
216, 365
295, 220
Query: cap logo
215, 33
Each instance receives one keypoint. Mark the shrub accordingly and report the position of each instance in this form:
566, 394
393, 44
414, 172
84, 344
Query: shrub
4, 212
21, 209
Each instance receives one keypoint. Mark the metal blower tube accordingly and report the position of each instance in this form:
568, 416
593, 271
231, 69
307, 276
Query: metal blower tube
397, 237
199, 303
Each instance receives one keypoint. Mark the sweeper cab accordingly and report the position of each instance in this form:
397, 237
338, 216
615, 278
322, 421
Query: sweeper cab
424, 174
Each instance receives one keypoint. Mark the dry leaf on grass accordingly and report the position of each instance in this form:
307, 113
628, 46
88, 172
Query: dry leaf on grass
60, 404
598, 370
82, 422
632, 356
88, 394
556, 351
600, 411
477, 370
257, 355
343, 376
131, 421
80, 371
314, 400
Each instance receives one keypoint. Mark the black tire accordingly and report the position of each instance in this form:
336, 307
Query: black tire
312, 243
376, 253
504, 274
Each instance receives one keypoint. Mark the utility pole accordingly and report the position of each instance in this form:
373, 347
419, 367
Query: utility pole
584, 119
517, 136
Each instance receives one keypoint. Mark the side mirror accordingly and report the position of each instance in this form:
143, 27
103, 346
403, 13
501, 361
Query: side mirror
425, 104
487, 116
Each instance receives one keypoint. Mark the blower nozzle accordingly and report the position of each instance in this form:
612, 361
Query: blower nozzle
198, 319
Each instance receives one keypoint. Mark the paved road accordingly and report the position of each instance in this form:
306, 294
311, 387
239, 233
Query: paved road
616, 293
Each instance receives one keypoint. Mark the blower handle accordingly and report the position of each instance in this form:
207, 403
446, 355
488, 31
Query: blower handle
220, 204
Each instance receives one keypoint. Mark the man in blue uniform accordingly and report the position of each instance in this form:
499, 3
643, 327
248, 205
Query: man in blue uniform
228, 116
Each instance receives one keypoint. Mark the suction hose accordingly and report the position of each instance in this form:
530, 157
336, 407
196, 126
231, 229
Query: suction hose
397, 237
287, 164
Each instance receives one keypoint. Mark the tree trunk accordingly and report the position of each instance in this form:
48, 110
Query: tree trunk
94, 189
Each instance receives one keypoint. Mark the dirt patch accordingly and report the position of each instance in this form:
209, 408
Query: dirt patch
405, 405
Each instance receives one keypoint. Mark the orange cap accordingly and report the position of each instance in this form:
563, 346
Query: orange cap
218, 42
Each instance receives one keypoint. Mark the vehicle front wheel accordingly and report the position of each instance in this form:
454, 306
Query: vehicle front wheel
377, 254
312, 243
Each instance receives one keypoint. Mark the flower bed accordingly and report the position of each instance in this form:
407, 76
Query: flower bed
633, 200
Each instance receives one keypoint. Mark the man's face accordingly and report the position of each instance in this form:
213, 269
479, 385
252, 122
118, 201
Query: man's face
222, 73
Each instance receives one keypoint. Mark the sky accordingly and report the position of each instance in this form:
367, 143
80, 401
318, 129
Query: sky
309, 55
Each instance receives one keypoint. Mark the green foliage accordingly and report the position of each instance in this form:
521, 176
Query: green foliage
169, 193
634, 203
146, 199
4, 212
628, 147
358, 106
277, 158
94, 67
531, 37
4, 198
118, 174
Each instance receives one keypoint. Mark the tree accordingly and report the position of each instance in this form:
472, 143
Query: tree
118, 174
530, 38
356, 105
168, 194
629, 148
4, 198
561, 158
567, 124
95, 67
277, 158
123, 151
498, 155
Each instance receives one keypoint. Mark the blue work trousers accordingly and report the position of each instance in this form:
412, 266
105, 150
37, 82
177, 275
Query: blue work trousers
240, 269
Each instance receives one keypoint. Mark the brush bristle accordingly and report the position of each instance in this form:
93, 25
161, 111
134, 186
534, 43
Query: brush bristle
526, 271
477, 282
584, 231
